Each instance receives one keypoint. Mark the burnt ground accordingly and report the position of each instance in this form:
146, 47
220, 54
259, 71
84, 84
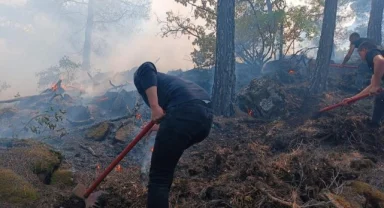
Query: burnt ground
335, 160
245, 162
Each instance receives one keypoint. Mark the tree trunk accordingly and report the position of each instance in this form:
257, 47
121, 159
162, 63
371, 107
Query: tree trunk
88, 38
375, 21
271, 15
223, 92
324, 53
269, 6
281, 40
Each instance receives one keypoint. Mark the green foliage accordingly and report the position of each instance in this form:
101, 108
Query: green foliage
299, 20
65, 70
257, 28
203, 54
49, 119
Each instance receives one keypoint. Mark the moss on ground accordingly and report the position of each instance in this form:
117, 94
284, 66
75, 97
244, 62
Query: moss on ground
62, 178
29, 156
98, 133
45, 160
15, 189
341, 202
368, 191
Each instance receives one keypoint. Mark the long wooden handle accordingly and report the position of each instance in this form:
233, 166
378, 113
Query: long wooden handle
341, 103
119, 158
345, 66
350, 101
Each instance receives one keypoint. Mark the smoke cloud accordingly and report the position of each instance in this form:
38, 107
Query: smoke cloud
32, 41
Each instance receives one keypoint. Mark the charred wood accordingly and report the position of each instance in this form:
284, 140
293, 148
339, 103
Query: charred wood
89, 149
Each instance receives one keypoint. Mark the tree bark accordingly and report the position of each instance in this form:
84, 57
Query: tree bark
223, 92
281, 40
269, 6
88, 37
375, 21
319, 82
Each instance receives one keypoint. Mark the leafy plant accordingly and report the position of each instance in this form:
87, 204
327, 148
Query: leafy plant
4, 86
48, 120
66, 70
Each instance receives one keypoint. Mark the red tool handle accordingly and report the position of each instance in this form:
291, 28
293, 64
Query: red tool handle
345, 66
119, 158
341, 103
350, 101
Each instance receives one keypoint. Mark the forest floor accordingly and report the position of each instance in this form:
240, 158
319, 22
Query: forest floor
335, 160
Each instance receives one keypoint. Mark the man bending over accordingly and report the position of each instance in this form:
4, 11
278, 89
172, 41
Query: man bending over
375, 60
355, 41
186, 117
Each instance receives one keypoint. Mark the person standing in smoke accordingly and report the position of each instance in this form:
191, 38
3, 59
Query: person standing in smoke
184, 116
363, 70
374, 57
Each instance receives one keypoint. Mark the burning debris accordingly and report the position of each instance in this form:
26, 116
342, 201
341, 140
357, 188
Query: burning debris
305, 164
46, 96
289, 167
116, 103
266, 98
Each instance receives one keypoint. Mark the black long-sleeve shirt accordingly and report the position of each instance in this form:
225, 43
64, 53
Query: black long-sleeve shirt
171, 90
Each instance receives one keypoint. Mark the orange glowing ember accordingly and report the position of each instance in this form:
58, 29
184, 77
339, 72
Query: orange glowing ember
152, 149
291, 71
138, 116
98, 167
54, 87
118, 168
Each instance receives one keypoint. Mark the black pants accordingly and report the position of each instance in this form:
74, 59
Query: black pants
182, 126
363, 76
378, 109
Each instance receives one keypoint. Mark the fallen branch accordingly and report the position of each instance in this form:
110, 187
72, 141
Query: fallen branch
50, 92
25, 98
337, 201
118, 86
89, 150
275, 199
93, 81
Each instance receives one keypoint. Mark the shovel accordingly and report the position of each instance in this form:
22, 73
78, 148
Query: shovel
319, 113
345, 66
86, 194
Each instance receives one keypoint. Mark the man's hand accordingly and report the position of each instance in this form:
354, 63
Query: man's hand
347, 101
154, 128
157, 113
374, 90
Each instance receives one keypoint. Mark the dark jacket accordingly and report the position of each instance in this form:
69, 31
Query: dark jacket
171, 90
